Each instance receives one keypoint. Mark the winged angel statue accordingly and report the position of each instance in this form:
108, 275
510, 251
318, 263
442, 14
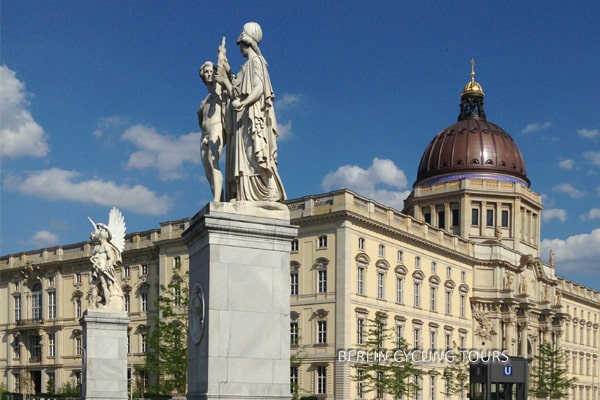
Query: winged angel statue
108, 241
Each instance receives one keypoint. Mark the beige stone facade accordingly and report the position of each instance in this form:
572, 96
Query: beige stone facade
353, 258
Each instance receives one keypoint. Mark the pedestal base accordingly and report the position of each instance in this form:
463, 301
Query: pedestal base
105, 355
239, 347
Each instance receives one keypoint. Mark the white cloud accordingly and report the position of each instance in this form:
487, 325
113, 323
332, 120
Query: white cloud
593, 156
535, 127
287, 101
554, 213
285, 131
106, 123
593, 213
365, 182
44, 239
569, 190
162, 152
578, 253
20, 135
588, 133
566, 164
60, 184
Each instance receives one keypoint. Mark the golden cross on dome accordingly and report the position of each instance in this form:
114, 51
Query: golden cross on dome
472, 69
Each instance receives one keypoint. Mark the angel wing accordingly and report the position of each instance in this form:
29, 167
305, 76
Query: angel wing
116, 226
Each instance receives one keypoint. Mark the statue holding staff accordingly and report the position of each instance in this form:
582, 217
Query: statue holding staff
251, 167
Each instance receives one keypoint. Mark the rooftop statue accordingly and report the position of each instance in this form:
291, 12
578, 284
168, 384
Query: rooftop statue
251, 155
108, 241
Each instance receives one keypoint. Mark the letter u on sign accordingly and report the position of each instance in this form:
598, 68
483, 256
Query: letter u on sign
507, 370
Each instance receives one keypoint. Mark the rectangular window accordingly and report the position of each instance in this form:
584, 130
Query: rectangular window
36, 306
475, 216
78, 308
322, 242
463, 308
427, 218
127, 302
417, 295
295, 245
51, 305
448, 272
399, 335
128, 343
441, 219
432, 387
321, 379
294, 385
360, 289
144, 344
448, 340
400, 290
177, 293
448, 302
35, 347
78, 346
144, 269
433, 267
505, 218
360, 390
294, 283
432, 339
361, 243
322, 280
463, 276
321, 332
380, 285
455, 217
294, 333
418, 262
144, 301
176, 262
17, 308
126, 271
400, 256
17, 347
417, 337
381, 250
432, 298
360, 330
489, 217
78, 279
51, 345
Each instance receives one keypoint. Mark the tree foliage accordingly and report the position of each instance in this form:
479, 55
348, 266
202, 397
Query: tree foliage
457, 375
549, 377
166, 356
384, 373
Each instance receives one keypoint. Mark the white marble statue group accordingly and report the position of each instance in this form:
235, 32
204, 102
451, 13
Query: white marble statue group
238, 115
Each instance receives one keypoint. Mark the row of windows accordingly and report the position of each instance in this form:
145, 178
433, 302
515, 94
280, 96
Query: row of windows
320, 372
581, 335
320, 379
490, 217
578, 361
35, 346
36, 305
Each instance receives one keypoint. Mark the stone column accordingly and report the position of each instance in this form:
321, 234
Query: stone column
239, 341
104, 369
523, 349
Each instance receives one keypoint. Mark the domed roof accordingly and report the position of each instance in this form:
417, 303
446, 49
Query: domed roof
472, 147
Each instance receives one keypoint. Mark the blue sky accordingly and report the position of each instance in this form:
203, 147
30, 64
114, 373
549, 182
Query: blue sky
99, 98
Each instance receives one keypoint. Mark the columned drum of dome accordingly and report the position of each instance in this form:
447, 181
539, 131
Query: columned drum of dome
472, 147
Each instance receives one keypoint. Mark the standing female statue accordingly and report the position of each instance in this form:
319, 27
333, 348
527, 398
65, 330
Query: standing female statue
251, 167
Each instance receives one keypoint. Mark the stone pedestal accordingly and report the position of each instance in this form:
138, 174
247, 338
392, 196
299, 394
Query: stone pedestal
239, 342
105, 355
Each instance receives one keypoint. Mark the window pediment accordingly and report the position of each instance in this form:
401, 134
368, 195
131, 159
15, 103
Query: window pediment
401, 270
419, 275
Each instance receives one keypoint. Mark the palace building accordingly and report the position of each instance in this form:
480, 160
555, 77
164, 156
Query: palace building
460, 265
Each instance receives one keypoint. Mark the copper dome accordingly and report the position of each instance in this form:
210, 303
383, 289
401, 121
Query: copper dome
472, 147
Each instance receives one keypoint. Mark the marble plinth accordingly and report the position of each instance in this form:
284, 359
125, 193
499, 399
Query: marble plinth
104, 355
239, 346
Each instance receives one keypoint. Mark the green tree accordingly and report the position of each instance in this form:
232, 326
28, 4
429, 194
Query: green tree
386, 371
549, 377
456, 374
166, 356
